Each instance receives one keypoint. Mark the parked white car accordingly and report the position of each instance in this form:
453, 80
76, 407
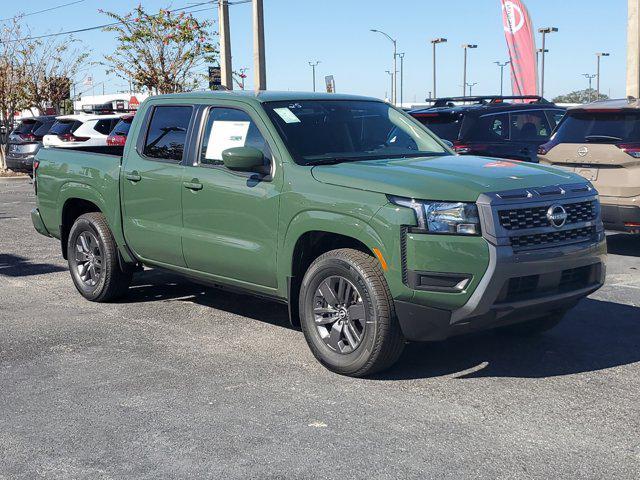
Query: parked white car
80, 130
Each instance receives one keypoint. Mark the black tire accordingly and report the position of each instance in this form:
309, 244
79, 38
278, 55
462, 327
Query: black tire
533, 327
110, 280
380, 340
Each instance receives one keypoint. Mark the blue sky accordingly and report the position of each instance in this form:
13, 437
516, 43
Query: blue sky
336, 32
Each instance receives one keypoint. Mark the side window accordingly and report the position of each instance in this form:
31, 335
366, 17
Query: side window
531, 125
491, 128
103, 126
228, 128
554, 117
167, 132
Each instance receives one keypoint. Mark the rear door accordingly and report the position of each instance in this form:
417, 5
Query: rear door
151, 185
602, 146
528, 130
231, 218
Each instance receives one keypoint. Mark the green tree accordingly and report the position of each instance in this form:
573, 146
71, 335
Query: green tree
581, 96
162, 51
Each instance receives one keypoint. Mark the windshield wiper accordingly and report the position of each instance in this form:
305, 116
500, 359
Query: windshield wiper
602, 138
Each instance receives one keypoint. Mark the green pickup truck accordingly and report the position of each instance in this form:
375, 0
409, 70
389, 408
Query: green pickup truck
345, 208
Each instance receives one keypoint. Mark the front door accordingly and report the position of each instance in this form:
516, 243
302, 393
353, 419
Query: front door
230, 219
152, 187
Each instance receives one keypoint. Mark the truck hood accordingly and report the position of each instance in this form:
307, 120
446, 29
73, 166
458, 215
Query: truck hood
452, 177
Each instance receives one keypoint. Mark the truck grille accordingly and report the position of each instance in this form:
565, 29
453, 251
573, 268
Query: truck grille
573, 235
535, 217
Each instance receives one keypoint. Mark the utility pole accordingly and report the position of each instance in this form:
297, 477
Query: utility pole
590, 78
502, 65
313, 66
391, 91
258, 47
401, 55
434, 42
395, 65
544, 32
465, 47
226, 69
598, 55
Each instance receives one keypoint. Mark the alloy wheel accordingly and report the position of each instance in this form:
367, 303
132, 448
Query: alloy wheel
339, 314
88, 258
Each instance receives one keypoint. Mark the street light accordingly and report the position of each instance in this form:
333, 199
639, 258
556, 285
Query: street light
465, 46
471, 85
395, 68
502, 65
598, 55
544, 32
313, 66
392, 79
590, 78
434, 42
401, 56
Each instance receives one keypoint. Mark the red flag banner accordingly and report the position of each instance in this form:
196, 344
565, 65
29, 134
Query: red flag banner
518, 31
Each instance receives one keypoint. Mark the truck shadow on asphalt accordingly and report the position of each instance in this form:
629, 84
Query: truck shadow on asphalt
16, 266
624, 244
595, 335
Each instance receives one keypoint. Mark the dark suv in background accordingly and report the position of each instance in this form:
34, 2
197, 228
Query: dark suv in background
497, 126
25, 141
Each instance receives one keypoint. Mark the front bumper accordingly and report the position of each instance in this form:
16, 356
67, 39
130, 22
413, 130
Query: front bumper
517, 284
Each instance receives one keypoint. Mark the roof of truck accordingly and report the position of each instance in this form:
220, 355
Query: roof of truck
267, 95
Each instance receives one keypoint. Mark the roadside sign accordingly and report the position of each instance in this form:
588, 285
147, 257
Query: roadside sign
330, 83
133, 103
215, 78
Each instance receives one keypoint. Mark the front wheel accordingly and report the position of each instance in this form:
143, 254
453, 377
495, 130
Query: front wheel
347, 314
93, 259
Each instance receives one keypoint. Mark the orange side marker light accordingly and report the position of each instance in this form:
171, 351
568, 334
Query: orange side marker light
383, 262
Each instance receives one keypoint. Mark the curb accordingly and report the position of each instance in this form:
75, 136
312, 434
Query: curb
21, 177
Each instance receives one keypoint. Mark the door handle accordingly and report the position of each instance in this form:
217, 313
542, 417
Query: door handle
133, 176
193, 185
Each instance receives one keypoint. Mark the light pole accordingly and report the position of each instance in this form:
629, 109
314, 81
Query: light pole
434, 42
392, 79
598, 55
401, 56
243, 76
465, 46
313, 66
471, 85
590, 78
544, 32
502, 65
538, 52
395, 67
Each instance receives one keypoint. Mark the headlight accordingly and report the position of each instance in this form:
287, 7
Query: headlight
443, 217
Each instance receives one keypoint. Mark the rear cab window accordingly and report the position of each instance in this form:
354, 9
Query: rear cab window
167, 132
445, 125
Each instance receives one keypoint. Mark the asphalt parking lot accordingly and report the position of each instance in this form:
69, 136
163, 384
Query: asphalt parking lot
178, 380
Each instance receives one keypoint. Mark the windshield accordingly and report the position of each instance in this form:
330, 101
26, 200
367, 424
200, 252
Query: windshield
330, 131
599, 127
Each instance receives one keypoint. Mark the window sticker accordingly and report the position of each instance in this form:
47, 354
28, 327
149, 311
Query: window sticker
287, 115
225, 134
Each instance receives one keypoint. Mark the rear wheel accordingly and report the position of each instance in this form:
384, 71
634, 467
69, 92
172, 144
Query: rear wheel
93, 259
533, 327
347, 314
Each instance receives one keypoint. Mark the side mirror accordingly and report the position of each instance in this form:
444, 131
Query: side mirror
243, 159
447, 143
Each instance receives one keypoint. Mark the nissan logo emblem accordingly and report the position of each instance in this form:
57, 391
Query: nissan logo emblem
582, 151
557, 215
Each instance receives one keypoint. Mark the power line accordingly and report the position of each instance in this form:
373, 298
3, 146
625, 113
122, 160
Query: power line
41, 11
99, 27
